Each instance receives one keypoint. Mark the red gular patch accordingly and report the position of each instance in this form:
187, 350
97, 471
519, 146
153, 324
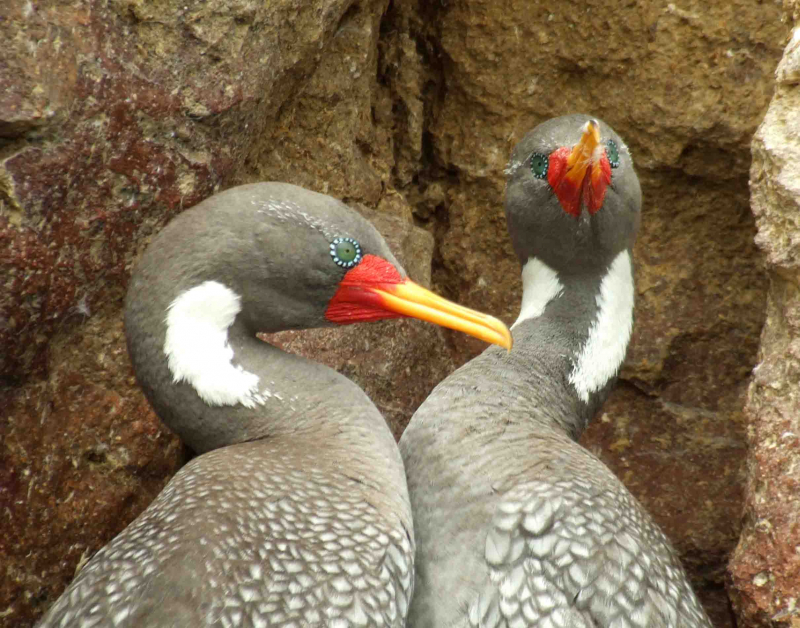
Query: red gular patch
584, 183
356, 300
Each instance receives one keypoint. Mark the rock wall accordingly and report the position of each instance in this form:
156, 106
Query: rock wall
115, 116
765, 568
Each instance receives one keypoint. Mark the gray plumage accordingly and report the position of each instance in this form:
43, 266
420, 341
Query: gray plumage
516, 524
297, 514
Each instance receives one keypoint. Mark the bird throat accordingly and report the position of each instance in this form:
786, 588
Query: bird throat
606, 329
353, 303
582, 183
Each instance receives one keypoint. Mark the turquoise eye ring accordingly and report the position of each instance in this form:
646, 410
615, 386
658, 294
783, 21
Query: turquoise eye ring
346, 252
612, 152
540, 163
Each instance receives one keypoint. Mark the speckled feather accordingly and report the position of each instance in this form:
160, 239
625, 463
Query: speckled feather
516, 524
580, 551
286, 540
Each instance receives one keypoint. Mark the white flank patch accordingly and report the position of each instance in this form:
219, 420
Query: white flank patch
604, 351
197, 347
540, 285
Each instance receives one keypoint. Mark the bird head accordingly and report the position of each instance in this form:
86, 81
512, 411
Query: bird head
299, 259
572, 198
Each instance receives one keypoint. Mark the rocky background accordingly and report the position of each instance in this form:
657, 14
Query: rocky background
115, 115
765, 567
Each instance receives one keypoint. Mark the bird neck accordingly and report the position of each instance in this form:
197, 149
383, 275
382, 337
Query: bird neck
214, 383
581, 325
569, 343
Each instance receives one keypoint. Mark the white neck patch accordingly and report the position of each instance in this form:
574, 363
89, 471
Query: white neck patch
540, 285
197, 347
604, 351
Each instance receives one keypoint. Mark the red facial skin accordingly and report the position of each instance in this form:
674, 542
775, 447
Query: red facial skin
355, 301
589, 188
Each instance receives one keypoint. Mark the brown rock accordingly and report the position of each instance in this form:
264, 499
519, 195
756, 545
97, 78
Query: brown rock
81, 455
765, 568
116, 116
324, 138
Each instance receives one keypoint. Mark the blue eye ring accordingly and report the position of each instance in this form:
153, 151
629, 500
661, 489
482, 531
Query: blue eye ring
346, 252
612, 152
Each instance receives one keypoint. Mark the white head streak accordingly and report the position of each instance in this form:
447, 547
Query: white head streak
512, 167
197, 349
604, 351
287, 211
540, 285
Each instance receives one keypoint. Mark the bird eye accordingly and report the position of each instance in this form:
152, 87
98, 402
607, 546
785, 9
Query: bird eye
539, 165
612, 153
346, 252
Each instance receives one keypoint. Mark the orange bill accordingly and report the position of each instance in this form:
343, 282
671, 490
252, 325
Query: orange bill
411, 299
